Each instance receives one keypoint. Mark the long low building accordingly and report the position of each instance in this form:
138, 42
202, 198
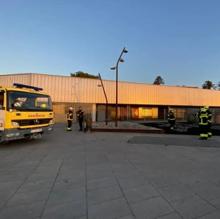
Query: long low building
135, 100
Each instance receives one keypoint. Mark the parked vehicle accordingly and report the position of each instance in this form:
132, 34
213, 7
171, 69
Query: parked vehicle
25, 112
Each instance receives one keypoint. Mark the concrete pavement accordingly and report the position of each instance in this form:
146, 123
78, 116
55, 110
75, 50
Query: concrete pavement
110, 176
125, 126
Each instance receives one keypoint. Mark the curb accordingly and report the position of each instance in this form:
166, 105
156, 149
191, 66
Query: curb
154, 131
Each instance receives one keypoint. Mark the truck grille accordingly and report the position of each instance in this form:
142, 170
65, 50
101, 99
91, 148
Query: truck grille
28, 122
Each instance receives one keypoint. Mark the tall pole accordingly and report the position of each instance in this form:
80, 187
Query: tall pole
116, 81
106, 100
116, 98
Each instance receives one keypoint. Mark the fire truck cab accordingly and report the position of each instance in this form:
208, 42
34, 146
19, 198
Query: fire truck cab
25, 112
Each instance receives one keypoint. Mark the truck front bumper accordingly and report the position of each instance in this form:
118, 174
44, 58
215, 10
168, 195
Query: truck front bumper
14, 134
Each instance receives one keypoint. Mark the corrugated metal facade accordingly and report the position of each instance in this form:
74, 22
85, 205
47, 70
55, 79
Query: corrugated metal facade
8, 80
65, 89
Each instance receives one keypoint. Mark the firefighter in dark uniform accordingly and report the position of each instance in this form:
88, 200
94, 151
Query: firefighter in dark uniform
80, 118
87, 122
171, 119
203, 123
69, 117
209, 121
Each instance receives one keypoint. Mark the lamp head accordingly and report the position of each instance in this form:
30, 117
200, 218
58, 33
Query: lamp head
125, 50
113, 68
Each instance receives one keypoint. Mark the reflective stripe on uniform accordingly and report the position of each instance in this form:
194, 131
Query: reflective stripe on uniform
203, 119
204, 135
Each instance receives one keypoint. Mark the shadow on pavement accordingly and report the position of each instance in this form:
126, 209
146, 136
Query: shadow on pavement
168, 140
20, 143
182, 128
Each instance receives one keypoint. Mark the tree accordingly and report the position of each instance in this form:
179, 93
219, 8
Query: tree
208, 85
159, 80
218, 85
82, 74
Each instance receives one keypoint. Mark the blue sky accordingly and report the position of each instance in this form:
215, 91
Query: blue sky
177, 39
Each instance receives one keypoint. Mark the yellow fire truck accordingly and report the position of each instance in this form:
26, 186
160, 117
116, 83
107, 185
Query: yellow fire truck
25, 112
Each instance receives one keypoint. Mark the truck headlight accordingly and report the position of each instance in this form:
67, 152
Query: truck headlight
51, 122
15, 124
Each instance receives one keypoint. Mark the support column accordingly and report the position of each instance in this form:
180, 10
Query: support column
94, 113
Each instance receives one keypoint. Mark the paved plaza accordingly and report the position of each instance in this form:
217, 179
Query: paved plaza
110, 176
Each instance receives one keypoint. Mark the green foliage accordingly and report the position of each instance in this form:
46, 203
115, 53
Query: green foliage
218, 85
208, 85
159, 80
82, 74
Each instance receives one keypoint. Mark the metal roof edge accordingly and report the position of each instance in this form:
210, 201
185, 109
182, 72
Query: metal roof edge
128, 82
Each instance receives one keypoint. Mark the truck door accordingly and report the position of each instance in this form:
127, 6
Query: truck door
2, 109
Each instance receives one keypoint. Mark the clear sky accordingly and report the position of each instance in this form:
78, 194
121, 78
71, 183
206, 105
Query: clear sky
177, 39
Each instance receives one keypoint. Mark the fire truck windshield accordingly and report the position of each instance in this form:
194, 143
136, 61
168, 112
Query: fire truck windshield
23, 101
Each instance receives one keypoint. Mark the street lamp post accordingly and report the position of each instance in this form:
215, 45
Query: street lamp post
106, 100
116, 81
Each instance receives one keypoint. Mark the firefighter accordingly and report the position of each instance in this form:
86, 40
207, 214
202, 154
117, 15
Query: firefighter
209, 121
80, 117
203, 123
69, 117
87, 122
171, 119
